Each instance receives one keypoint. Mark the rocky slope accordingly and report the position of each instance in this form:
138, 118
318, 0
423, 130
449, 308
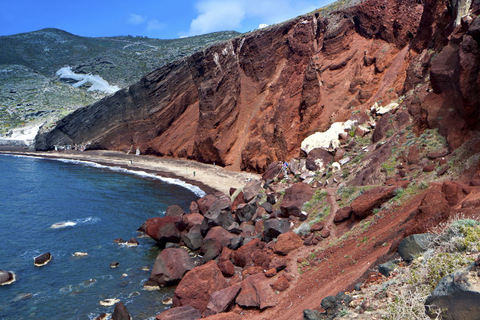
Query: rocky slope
252, 100
283, 247
32, 91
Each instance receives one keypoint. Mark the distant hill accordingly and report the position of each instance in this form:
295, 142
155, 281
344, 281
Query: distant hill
31, 90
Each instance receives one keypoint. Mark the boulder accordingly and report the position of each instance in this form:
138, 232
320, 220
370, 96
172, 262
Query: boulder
214, 241
267, 206
274, 170
363, 205
343, 214
318, 159
457, 296
297, 166
192, 219
317, 226
242, 257
311, 314
170, 266
454, 192
6, 277
251, 190
197, 286
294, 198
281, 284
256, 293
414, 245
174, 211
278, 263
221, 300
222, 218
245, 212
42, 259
212, 203
261, 258
227, 268
194, 207
225, 316
193, 239
163, 229
185, 313
287, 242
120, 312
387, 268
272, 228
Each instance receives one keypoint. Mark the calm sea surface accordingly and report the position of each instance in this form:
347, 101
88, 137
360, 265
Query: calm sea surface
98, 204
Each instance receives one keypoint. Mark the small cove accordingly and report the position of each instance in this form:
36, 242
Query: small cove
95, 205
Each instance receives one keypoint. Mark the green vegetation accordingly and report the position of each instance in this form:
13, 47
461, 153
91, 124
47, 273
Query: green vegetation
447, 254
31, 92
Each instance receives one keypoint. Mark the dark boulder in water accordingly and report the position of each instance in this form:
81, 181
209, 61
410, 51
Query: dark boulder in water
42, 259
6, 277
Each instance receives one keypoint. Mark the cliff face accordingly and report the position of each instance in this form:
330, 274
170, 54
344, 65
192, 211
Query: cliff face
252, 100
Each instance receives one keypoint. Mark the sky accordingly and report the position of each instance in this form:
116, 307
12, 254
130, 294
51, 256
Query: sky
152, 18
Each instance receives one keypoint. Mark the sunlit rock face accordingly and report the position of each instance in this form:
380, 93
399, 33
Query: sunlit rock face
255, 98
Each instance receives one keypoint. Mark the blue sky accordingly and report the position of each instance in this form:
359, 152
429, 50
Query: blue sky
153, 18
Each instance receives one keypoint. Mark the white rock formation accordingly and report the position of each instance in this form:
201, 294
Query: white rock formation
327, 140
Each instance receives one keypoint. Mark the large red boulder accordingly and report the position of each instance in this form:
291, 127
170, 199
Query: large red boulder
256, 293
163, 229
170, 266
213, 202
287, 242
184, 313
197, 285
242, 257
216, 239
294, 198
454, 192
363, 205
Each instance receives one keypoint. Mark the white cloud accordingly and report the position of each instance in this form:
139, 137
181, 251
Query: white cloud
154, 24
217, 15
136, 19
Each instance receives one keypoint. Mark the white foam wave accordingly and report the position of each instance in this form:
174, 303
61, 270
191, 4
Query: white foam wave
196, 190
66, 224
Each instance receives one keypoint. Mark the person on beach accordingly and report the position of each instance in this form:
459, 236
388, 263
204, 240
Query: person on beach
194, 173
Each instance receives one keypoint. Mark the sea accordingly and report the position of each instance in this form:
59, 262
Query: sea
65, 206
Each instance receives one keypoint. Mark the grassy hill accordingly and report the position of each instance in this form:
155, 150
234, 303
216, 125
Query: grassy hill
30, 90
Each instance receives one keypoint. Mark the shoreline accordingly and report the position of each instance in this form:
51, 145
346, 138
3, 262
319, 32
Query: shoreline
207, 177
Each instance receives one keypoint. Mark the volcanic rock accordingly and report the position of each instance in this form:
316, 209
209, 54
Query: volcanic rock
456, 296
163, 229
363, 205
256, 293
318, 159
343, 214
185, 313
414, 245
213, 203
221, 300
197, 286
42, 259
170, 266
287, 242
272, 228
174, 211
281, 284
294, 198
251, 190
120, 312
6, 277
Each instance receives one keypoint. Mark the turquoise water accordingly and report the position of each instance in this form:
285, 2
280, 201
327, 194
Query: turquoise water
98, 205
